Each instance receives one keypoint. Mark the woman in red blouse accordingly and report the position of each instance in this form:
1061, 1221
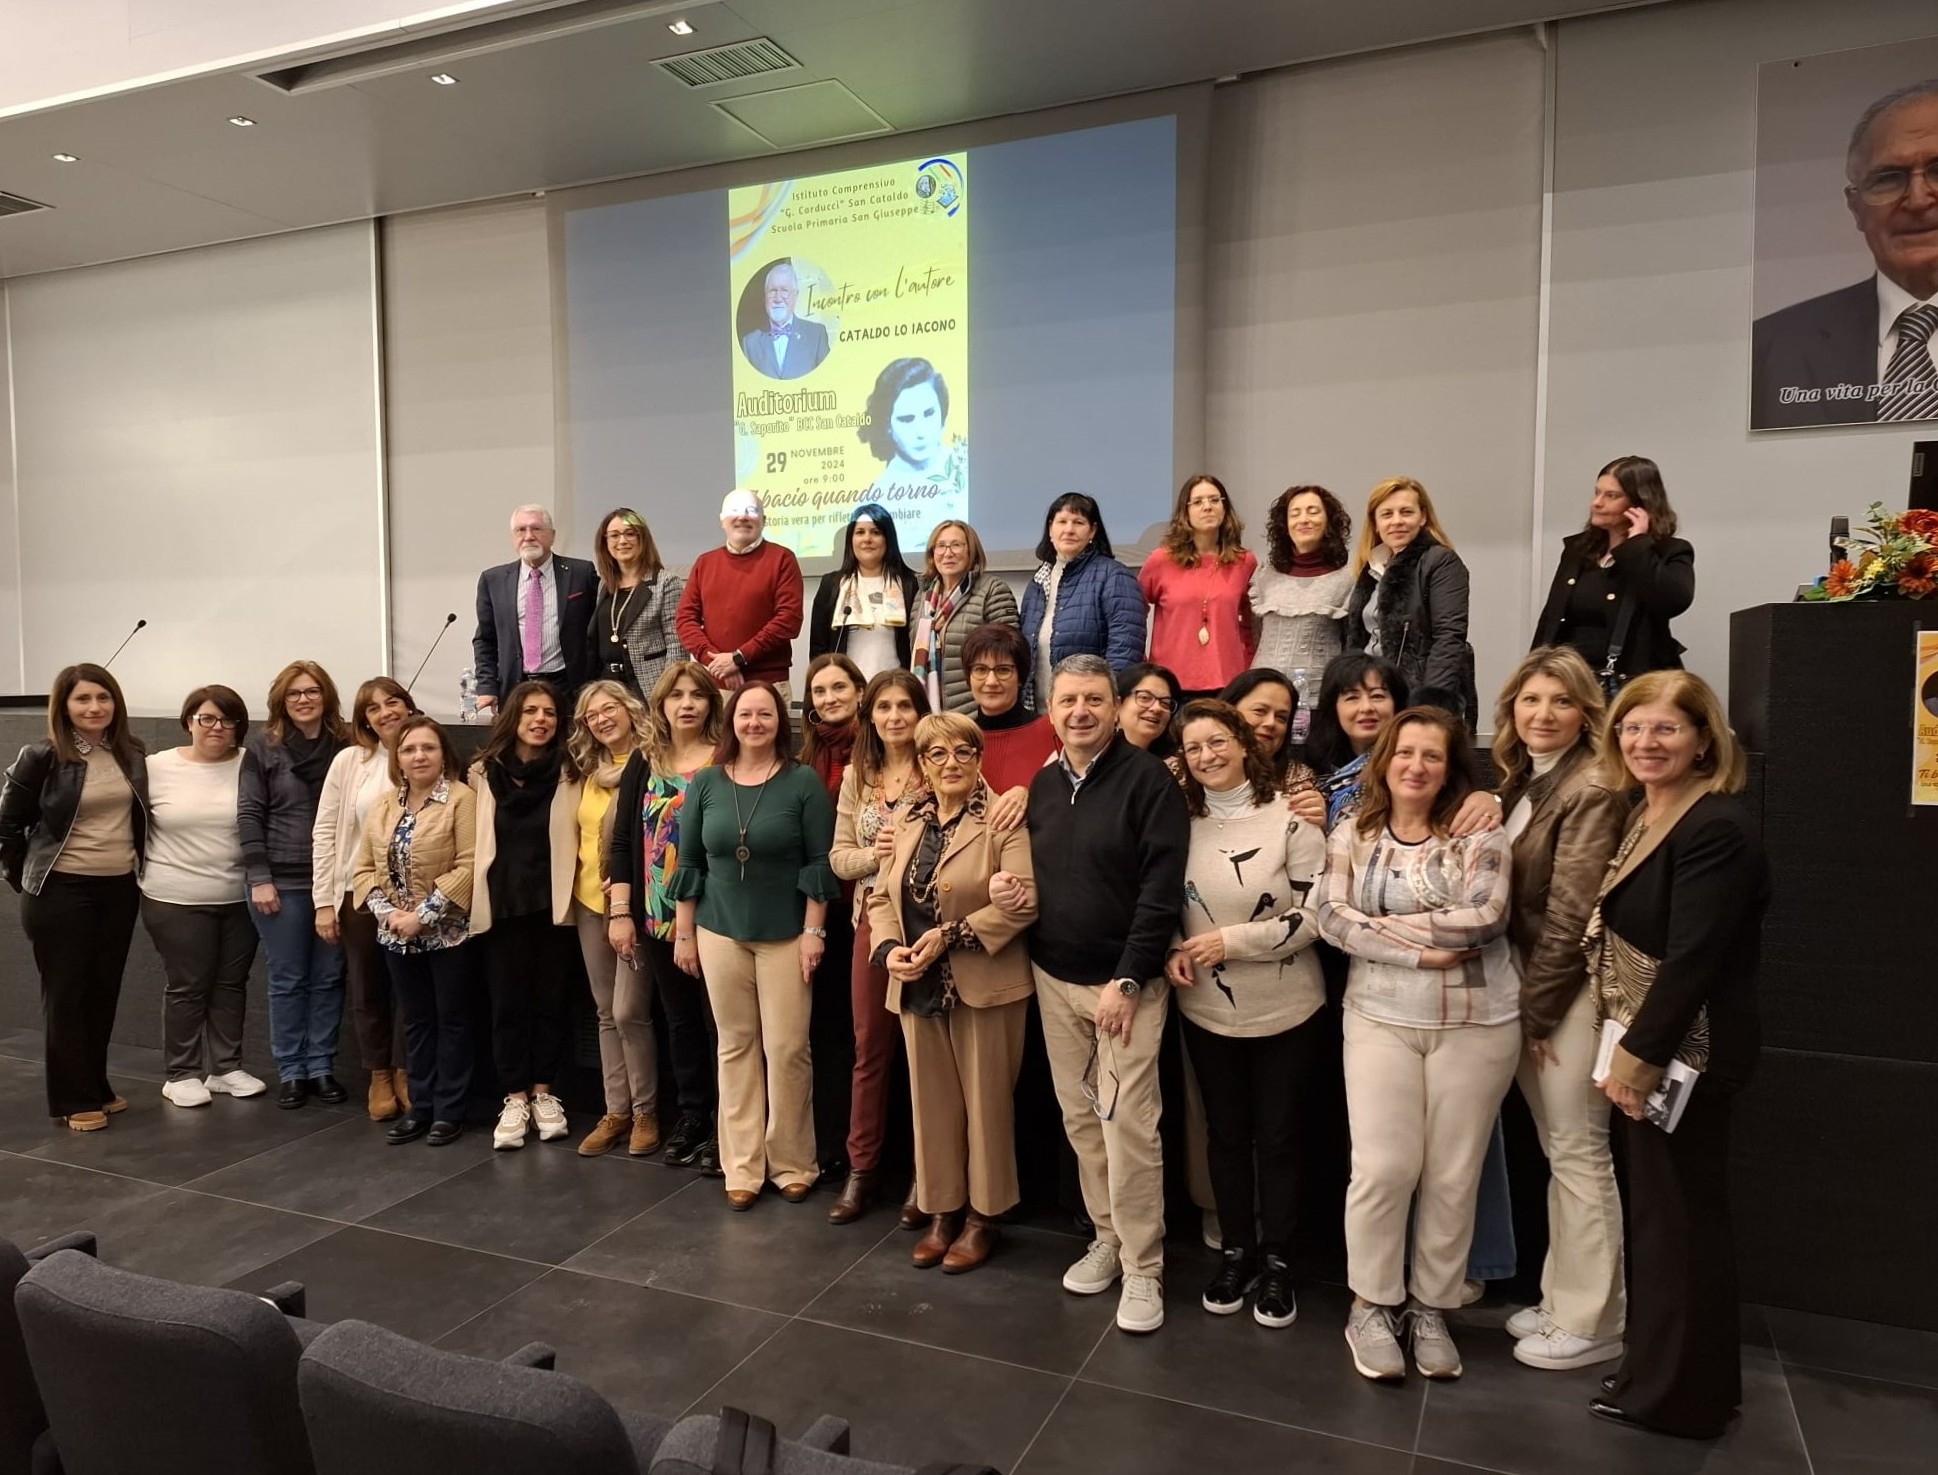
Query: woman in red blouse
1197, 585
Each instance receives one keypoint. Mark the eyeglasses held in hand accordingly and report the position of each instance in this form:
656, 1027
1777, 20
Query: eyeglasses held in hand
1091, 1084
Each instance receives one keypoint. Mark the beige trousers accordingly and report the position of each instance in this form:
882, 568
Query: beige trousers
766, 1114
623, 997
1120, 1161
1421, 1103
962, 1076
1581, 1281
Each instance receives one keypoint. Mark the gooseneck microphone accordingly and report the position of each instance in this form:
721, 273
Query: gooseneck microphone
449, 620
1840, 537
140, 625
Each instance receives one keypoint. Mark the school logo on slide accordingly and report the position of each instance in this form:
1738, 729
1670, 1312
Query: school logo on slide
939, 185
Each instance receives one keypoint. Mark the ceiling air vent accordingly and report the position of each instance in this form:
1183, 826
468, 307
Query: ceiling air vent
19, 205
733, 63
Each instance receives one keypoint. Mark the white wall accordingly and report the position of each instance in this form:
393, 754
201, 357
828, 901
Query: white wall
1373, 264
1649, 342
197, 445
468, 375
11, 680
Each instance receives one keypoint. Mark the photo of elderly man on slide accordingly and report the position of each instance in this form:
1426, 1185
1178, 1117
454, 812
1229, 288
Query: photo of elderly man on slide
786, 347
1867, 352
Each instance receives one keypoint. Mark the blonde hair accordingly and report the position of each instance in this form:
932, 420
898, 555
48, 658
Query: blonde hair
1369, 532
659, 740
1565, 664
584, 753
1720, 762
978, 559
947, 727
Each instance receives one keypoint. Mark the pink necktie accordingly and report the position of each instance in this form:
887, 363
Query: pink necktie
534, 622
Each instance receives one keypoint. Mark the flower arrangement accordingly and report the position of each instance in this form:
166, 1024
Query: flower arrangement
1893, 556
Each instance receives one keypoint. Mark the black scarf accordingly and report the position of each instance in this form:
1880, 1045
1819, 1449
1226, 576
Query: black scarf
310, 758
523, 789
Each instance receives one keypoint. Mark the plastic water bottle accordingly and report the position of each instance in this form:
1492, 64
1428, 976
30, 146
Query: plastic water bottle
468, 695
1302, 719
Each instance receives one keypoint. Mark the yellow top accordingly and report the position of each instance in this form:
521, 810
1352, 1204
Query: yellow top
594, 801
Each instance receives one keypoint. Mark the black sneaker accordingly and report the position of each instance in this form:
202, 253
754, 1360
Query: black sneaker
1274, 1303
683, 1142
706, 1159
1235, 1277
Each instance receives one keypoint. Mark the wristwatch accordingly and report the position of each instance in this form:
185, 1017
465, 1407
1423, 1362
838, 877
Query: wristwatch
1130, 988
740, 661
820, 932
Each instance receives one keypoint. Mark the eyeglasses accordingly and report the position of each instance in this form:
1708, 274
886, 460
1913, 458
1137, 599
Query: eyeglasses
304, 693
992, 673
1151, 699
937, 756
1091, 1084
950, 545
208, 721
1661, 731
1888, 186
1212, 746
622, 531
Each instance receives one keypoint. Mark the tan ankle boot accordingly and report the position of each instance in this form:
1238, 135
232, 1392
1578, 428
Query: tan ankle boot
400, 1088
645, 1134
383, 1097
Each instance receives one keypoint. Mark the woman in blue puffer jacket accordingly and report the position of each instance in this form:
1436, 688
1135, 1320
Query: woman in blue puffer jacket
1082, 601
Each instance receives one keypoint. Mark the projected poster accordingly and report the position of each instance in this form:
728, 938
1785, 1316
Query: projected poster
849, 310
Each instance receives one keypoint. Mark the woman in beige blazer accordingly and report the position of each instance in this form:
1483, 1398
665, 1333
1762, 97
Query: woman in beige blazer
959, 978
1564, 823
414, 875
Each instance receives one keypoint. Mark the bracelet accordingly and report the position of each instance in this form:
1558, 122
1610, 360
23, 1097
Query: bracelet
682, 937
820, 932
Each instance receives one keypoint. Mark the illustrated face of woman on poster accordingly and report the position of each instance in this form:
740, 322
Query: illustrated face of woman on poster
915, 425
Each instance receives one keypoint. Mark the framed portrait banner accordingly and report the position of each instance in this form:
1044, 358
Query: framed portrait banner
1845, 297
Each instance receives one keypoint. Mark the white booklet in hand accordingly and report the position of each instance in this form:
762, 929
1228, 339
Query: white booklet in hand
1667, 1101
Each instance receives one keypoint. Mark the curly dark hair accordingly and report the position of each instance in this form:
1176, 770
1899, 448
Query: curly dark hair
899, 375
1332, 547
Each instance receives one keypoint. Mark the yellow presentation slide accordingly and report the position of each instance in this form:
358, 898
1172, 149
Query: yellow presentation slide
850, 317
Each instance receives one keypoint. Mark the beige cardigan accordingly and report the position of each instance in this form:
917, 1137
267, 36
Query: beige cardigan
443, 855
562, 826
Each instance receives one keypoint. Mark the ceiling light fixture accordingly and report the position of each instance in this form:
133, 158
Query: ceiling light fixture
445, 79
242, 122
67, 159
681, 28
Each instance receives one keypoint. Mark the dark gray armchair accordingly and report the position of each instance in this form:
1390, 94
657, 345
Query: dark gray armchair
22, 1418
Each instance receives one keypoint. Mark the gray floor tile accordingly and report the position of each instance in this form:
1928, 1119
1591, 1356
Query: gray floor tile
346, 1172
644, 1349
132, 1062
412, 1286
775, 1257
178, 1235
39, 1199
1852, 1424
1301, 1375
1012, 1309
167, 1144
1096, 1429
1899, 1354
908, 1404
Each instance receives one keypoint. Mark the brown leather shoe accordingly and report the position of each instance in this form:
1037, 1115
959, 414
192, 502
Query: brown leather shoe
400, 1088
972, 1246
796, 1193
855, 1194
933, 1246
115, 1107
383, 1097
645, 1134
610, 1132
912, 1217
741, 1199
86, 1121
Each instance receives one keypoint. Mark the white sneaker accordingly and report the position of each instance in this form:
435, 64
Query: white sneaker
1559, 1350
1141, 1306
235, 1083
1095, 1272
190, 1092
549, 1114
1471, 1291
1529, 1321
1376, 1351
1213, 1232
513, 1122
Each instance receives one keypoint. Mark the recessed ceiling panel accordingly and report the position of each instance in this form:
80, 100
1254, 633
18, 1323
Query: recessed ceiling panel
813, 113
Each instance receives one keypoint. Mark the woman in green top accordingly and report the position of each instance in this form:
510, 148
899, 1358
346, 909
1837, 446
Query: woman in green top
753, 887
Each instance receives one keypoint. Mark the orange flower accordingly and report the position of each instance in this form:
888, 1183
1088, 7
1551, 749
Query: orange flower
1843, 574
1922, 521
1919, 577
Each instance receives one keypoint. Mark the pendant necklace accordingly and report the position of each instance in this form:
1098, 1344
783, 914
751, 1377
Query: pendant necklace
740, 852
619, 613
1204, 622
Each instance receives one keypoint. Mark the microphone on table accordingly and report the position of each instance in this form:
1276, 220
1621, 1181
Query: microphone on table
140, 625
449, 620
1840, 537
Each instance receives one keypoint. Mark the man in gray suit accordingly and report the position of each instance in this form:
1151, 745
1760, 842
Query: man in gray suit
533, 616
788, 347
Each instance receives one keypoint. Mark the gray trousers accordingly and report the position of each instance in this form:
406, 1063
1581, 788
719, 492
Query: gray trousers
206, 952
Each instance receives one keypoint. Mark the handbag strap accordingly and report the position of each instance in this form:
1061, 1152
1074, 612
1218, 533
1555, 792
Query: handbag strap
745, 1445
1624, 619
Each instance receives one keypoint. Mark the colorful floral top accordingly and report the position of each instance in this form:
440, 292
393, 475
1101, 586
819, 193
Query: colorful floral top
662, 797
444, 925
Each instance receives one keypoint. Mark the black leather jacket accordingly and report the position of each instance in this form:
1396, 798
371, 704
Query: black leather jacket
37, 809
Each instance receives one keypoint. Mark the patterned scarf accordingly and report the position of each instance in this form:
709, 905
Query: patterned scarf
939, 606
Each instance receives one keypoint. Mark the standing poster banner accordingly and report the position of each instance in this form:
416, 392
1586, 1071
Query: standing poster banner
1924, 722
849, 303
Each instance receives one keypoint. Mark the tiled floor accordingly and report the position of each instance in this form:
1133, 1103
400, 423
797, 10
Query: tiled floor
657, 1295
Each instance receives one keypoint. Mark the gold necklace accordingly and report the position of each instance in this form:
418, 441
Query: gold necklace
619, 607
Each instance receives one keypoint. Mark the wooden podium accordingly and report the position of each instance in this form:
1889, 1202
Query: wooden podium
1835, 1140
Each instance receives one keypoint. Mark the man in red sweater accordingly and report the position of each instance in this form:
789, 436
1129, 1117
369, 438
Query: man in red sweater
742, 605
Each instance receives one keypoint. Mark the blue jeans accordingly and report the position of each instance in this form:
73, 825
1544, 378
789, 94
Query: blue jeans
1492, 1256
305, 988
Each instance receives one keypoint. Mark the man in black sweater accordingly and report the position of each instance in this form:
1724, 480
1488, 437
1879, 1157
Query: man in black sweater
1110, 830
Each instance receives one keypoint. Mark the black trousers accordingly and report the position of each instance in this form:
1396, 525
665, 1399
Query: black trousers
1253, 1089
691, 1039
1684, 1368
80, 928
436, 991
527, 966
831, 1036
